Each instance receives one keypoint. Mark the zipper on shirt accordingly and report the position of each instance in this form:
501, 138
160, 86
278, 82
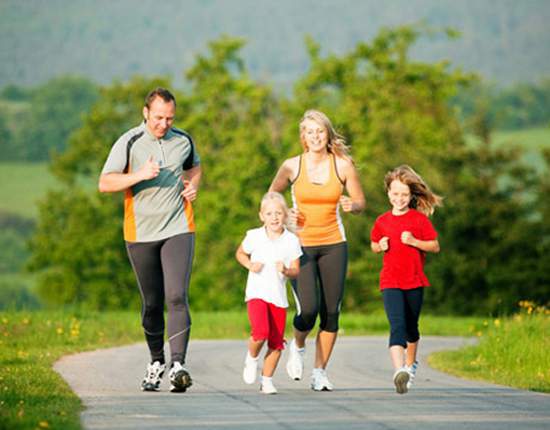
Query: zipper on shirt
163, 161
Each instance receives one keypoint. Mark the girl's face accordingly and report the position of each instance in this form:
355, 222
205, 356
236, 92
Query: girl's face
400, 197
273, 216
315, 136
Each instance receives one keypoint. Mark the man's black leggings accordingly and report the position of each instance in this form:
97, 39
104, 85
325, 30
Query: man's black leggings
163, 271
403, 310
319, 288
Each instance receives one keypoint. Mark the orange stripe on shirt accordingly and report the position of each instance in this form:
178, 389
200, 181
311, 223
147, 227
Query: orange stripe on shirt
129, 217
189, 215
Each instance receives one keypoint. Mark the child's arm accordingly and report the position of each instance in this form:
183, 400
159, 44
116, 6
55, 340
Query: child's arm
290, 272
243, 258
380, 246
424, 245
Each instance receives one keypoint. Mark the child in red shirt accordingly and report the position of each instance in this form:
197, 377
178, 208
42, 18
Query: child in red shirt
405, 234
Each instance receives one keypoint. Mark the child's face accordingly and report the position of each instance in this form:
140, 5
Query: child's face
400, 196
272, 215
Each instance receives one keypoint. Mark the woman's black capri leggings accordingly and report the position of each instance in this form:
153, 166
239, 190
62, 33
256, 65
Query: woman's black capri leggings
403, 310
319, 288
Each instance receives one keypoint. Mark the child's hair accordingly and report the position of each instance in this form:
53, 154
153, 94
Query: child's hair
422, 198
336, 142
277, 197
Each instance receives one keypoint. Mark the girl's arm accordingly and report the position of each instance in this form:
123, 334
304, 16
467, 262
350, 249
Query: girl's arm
243, 258
424, 245
292, 271
355, 203
380, 246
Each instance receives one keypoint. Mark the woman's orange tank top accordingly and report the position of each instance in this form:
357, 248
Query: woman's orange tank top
319, 221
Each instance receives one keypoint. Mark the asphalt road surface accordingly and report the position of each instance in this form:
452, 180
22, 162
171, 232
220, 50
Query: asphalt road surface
364, 397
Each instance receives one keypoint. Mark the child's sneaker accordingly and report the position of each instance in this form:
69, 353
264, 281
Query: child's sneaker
180, 379
153, 376
295, 363
319, 380
266, 386
250, 368
400, 379
412, 373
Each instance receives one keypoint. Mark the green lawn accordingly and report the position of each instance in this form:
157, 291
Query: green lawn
533, 140
21, 185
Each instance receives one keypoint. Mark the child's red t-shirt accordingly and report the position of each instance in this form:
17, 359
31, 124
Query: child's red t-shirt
403, 266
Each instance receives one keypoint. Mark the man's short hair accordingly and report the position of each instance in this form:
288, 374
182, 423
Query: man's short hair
163, 93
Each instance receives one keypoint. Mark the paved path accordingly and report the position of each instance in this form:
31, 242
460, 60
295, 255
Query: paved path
364, 398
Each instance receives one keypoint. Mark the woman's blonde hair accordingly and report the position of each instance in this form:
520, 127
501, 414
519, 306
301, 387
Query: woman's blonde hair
336, 142
422, 197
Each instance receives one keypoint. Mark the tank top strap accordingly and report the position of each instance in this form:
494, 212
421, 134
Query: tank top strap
334, 170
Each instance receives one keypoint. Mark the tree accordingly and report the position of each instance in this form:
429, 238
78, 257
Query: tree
55, 111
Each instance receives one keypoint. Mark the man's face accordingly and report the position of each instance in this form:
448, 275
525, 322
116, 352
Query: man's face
159, 116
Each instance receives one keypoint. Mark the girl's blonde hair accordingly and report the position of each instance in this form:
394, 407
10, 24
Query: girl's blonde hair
336, 142
273, 196
422, 197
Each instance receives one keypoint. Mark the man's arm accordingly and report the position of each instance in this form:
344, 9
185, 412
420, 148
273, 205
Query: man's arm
191, 182
114, 182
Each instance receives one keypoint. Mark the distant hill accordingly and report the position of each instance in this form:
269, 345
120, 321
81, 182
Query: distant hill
505, 40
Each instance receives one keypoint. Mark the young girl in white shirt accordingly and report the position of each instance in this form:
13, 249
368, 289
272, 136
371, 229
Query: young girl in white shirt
271, 254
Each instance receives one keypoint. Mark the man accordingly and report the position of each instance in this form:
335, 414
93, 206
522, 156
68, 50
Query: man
158, 168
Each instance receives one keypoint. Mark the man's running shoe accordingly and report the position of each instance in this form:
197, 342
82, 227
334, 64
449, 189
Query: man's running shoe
153, 376
266, 386
180, 379
319, 380
412, 373
250, 368
400, 379
295, 363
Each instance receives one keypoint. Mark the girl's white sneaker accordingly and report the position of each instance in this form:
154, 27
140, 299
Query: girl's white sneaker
250, 369
267, 387
400, 379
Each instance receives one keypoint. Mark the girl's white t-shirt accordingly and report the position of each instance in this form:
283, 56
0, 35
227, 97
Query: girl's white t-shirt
269, 284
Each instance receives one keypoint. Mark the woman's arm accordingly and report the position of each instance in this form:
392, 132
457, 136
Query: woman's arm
355, 203
285, 175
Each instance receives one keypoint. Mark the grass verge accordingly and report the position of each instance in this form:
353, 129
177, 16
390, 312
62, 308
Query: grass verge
512, 351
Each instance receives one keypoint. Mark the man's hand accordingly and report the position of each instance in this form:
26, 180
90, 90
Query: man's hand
189, 191
149, 170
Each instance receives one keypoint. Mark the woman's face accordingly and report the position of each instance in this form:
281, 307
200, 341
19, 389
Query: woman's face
314, 135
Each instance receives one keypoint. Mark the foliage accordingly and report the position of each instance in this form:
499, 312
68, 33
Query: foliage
515, 107
490, 231
511, 351
391, 109
51, 113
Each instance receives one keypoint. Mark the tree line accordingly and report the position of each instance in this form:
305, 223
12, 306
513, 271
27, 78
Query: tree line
493, 227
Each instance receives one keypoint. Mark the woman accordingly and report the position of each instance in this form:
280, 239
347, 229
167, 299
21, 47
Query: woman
317, 178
